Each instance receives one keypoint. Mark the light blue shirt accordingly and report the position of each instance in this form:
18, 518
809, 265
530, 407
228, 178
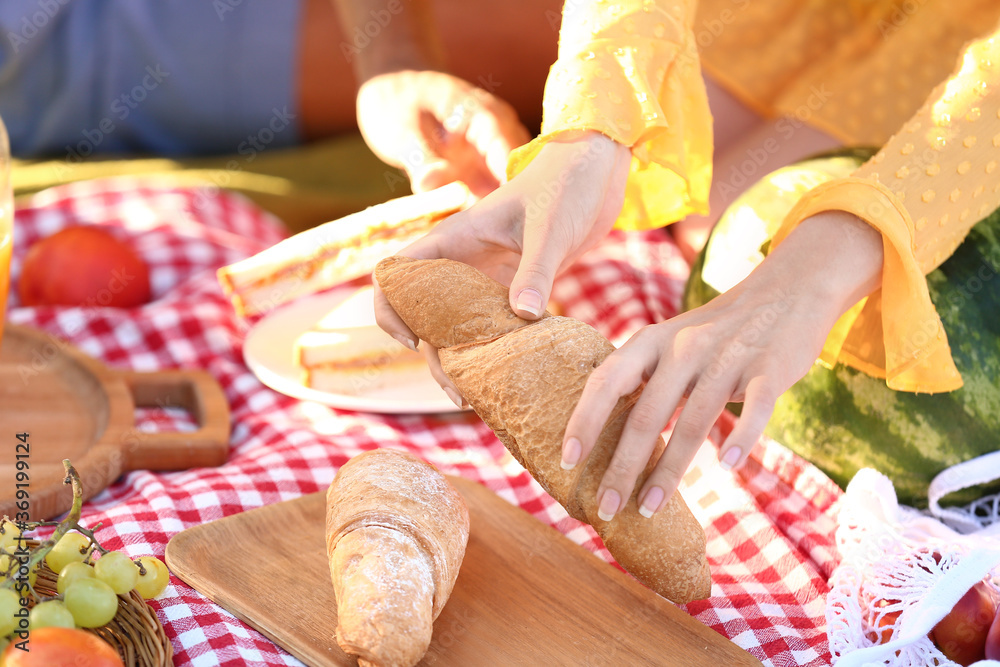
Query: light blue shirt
168, 77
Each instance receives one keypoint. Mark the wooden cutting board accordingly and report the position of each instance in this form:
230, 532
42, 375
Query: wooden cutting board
526, 595
64, 404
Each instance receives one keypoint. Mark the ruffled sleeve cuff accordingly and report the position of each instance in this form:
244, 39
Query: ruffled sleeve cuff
895, 332
637, 81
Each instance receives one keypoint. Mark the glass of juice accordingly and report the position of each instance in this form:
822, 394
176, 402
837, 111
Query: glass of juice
6, 222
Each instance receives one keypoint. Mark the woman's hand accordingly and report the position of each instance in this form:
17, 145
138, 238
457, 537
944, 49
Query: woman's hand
439, 129
749, 344
523, 234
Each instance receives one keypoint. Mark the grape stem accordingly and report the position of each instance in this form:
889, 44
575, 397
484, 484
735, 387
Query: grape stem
72, 521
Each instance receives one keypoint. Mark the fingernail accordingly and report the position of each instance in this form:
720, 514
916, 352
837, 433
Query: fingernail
455, 398
570, 454
405, 342
730, 458
609, 505
530, 301
651, 501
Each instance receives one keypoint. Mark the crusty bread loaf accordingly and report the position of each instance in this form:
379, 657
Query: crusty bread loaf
524, 379
396, 532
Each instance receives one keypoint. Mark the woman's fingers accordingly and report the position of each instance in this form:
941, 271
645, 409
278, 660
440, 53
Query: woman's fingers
638, 440
758, 405
543, 251
572, 193
617, 376
699, 414
434, 363
678, 364
390, 322
620, 374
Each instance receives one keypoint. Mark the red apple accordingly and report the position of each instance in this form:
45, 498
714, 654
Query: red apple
83, 266
961, 635
886, 621
993, 640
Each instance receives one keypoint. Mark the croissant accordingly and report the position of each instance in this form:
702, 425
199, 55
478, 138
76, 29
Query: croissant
523, 379
396, 532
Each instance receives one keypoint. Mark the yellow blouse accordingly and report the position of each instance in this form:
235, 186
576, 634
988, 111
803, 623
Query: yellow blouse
857, 69
631, 71
926, 188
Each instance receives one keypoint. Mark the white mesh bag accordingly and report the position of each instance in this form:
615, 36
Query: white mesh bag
903, 570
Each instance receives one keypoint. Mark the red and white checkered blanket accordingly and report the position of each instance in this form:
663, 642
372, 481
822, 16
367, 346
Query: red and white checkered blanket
769, 525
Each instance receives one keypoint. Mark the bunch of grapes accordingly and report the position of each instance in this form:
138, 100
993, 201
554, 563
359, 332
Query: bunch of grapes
90, 577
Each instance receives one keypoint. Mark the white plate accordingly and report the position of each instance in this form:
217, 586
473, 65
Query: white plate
269, 352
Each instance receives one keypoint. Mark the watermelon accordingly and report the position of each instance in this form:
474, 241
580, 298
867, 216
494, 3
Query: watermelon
842, 419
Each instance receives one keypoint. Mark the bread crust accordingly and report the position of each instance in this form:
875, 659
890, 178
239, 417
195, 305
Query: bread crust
396, 533
524, 380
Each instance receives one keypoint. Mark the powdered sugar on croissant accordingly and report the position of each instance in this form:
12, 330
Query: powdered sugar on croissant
396, 532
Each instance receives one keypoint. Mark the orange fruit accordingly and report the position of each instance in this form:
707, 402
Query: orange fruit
61, 647
83, 266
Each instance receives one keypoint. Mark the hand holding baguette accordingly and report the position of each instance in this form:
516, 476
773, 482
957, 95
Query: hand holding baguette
396, 532
524, 378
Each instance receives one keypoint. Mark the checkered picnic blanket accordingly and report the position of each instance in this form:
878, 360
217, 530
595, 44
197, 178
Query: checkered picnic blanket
769, 525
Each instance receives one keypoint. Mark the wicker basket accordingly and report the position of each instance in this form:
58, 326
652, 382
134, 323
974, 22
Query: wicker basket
135, 631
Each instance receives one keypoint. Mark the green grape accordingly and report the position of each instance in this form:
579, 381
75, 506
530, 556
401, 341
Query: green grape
33, 575
8, 538
91, 602
117, 571
71, 548
156, 578
10, 604
15, 566
71, 573
50, 614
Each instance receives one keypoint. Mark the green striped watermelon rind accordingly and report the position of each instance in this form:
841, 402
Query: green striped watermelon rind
843, 420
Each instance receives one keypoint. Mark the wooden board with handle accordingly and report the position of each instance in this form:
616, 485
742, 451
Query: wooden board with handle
526, 595
68, 405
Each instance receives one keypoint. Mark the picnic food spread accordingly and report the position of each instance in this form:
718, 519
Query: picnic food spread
70, 581
523, 379
345, 353
396, 532
335, 252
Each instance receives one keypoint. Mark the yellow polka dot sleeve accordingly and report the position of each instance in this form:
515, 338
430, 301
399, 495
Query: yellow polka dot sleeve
923, 191
630, 70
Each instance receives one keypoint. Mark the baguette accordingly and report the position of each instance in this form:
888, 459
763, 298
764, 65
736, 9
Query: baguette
523, 379
337, 251
396, 532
